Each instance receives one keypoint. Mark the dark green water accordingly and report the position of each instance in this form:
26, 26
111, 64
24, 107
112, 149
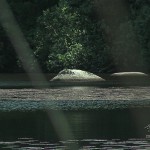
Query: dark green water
102, 124
84, 118
92, 129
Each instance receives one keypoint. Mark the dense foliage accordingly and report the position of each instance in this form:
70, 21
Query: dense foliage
67, 37
71, 34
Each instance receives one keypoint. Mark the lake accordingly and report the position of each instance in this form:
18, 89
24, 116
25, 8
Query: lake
84, 118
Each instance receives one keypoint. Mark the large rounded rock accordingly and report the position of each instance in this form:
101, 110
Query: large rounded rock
76, 75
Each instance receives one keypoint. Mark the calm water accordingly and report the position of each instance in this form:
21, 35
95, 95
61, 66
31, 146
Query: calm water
92, 129
27, 124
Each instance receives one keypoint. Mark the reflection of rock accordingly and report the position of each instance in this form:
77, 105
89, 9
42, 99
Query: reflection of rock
130, 76
76, 75
148, 128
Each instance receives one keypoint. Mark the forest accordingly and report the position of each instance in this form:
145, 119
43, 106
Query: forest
100, 36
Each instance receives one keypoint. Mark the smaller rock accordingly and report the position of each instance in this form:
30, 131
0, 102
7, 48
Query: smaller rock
76, 75
123, 74
130, 76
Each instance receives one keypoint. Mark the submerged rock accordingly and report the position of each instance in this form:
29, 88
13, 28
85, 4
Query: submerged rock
76, 75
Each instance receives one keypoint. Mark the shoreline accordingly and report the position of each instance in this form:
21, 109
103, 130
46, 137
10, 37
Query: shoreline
23, 81
50, 84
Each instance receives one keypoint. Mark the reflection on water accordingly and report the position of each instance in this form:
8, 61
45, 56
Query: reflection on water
87, 144
92, 129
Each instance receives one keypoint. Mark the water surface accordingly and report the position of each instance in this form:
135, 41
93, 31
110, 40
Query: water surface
99, 118
92, 129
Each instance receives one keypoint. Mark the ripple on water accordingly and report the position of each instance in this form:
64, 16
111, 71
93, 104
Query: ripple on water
23, 105
91, 144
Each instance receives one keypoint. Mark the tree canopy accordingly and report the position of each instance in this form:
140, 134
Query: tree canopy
73, 34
